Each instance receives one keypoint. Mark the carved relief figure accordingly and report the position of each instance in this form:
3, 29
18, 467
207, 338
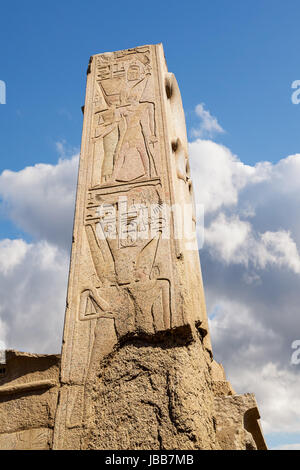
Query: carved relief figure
125, 133
131, 289
135, 158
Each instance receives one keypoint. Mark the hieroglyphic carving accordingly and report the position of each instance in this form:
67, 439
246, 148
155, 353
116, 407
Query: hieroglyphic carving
133, 287
31, 439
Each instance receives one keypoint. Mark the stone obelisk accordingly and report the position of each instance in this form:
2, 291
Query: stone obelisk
137, 369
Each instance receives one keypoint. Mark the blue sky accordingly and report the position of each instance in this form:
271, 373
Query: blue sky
240, 59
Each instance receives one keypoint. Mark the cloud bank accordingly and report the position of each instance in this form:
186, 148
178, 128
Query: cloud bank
39, 200
251, 270
208, 126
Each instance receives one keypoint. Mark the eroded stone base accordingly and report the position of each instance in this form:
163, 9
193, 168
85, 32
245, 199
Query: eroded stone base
29, 386
163, 394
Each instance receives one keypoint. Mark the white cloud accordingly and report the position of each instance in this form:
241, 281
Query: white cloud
233, 193
227, 238
235, 241
40, 199
208, 126
277, 391
251, 268
12, 252
279, 248
3, 345
249, 348
33, 276
33, 293
219, 175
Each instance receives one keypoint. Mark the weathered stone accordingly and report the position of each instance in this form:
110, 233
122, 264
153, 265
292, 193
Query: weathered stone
29, 387
237, 423
137, 370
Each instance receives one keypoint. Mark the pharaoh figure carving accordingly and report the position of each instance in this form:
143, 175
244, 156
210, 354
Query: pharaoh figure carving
125, 133
125, 245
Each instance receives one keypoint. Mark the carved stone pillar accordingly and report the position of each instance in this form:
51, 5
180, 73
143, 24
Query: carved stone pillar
136, 351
